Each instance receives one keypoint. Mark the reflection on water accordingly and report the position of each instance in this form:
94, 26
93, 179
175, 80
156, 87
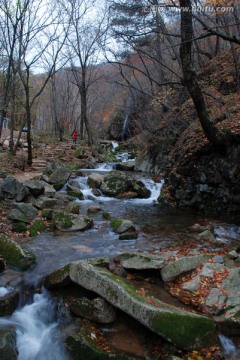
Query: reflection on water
157, 227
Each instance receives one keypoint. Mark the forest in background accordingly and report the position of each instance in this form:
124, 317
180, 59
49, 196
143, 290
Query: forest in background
93, 65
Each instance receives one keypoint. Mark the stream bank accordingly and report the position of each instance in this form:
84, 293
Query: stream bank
157, 229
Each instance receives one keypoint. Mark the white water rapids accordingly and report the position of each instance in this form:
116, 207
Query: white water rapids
37, 330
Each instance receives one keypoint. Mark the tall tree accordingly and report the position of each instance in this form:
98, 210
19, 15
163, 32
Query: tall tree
87, 30
215, 135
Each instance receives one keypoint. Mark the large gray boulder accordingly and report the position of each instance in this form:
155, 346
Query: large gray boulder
22, 212
65, 221
190, 331
9, 303
81, 344
181, 266
59, 177
97, 310
36, 187
11, 188
95, 180
15, 256
114, 183
139, 261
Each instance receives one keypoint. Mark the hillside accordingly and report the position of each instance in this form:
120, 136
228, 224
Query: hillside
196, 174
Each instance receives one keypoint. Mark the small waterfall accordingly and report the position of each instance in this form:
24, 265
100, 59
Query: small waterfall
127, 113
230, 350
37, 330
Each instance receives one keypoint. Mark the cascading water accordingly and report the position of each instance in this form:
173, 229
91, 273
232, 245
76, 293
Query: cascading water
125, 122
37, 330
230, 350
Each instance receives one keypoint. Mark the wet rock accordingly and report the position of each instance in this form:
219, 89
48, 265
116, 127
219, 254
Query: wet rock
9, 303
81, 344
37, 227
59, 177
58, 278
75, 193
73, 208
8, 349
125, 166
94, 209
95, 180
15, 256
190, 331
2, 264
114, 183
179, 267
97, 310
121, 226
71, 222
74, 184
140, 189
128, 236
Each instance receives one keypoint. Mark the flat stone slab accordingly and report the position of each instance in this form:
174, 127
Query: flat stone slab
184, 329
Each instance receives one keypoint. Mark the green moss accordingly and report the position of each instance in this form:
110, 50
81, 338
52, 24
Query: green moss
188, 334
106, 215
15, 255
37, 227
47, 213
108, 156
115, 223
79, 153
19, 227
76, 194
64, 219
57, 278
237, 314
81, 346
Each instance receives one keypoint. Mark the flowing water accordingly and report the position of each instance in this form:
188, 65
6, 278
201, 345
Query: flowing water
38, 323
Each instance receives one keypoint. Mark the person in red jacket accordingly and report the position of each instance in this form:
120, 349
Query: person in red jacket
74, 136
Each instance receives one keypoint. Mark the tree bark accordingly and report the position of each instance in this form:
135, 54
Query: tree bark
213, 134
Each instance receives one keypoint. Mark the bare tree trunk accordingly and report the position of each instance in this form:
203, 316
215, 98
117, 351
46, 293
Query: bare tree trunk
213, 134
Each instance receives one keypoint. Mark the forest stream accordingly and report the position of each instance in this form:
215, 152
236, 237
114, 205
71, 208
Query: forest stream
38, 326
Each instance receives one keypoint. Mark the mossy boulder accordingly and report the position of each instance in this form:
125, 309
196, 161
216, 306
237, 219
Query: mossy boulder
59, 177
37, 227
15, 255
114, 183
73, 208
81, 345
75, 193
184, 329
71, 222
8, 348
95, 180
9, 303
58, 278
98, 309
121, 226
